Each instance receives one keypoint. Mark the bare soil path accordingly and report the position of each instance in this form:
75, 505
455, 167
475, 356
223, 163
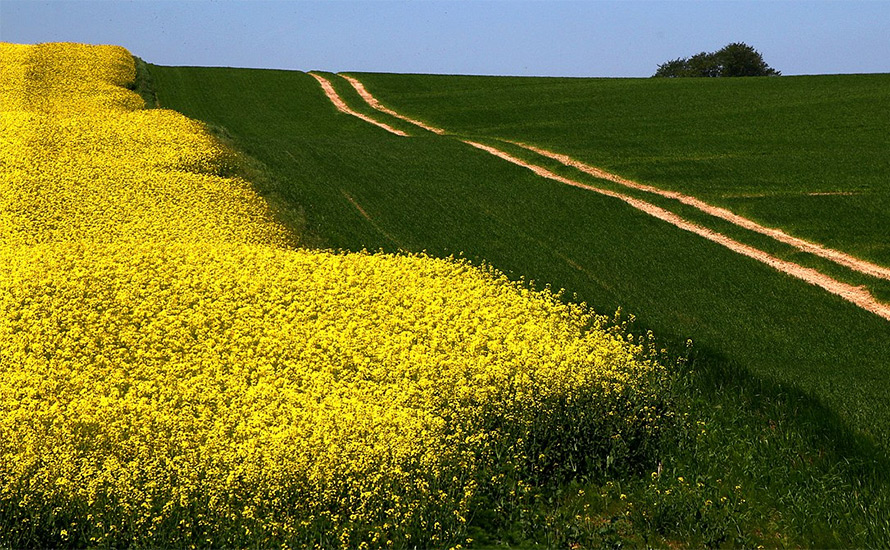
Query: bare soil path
372, 101
856, 295
344, 108
836, 256
831, 254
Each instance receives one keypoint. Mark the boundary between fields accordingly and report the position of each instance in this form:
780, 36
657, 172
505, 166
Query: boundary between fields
859, 296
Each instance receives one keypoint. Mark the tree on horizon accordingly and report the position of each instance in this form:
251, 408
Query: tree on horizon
735, 59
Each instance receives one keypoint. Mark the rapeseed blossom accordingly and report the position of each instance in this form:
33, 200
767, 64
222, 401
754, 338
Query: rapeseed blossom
173, 372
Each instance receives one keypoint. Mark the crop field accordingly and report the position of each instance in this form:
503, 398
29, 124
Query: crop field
199, 350
412, 203
174, 372
805, 154
769, 369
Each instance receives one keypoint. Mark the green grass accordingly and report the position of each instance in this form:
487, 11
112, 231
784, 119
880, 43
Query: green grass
143, 85
880, 288
756, 145
789, 383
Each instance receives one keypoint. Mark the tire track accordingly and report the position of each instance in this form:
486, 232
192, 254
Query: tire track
831, 254
343, 108
836, 256
859, 296
372, 101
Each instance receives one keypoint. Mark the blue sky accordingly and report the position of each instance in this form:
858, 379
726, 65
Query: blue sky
548, 38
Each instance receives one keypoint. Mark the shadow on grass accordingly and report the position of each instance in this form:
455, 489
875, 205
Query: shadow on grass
749, 461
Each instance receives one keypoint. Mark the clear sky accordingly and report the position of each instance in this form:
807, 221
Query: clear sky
548, 38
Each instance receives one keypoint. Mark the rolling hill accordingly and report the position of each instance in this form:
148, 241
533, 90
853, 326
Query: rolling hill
789, 380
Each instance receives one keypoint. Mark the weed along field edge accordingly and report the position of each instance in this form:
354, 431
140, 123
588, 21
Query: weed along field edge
248, 307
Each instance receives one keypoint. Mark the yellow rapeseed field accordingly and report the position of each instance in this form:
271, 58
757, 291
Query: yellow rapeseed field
174, 372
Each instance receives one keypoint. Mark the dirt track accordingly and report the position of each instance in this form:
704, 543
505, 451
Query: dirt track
836, 256
857, 295
806, 246
372, 101
342, 107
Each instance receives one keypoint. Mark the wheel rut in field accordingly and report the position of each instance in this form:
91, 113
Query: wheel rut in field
859, 296
836, 256
803, 245
372, 101
344, 108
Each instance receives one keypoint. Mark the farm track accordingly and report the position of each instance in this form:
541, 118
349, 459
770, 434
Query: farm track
836, 256
372, 101
343, 108
856, 295
803, 245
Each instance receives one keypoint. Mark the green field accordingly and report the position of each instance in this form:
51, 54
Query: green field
787, 390
759, 146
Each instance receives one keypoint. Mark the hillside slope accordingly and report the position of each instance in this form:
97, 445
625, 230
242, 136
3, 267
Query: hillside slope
365, 188
805, 154
782, 369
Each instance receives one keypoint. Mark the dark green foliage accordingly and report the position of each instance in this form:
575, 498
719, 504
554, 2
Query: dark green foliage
143, 85
701, 64
736, 59
740, 59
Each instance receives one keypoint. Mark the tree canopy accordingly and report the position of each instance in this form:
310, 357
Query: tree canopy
736, 59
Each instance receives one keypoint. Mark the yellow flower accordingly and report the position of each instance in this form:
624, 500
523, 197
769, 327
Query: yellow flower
168, 358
